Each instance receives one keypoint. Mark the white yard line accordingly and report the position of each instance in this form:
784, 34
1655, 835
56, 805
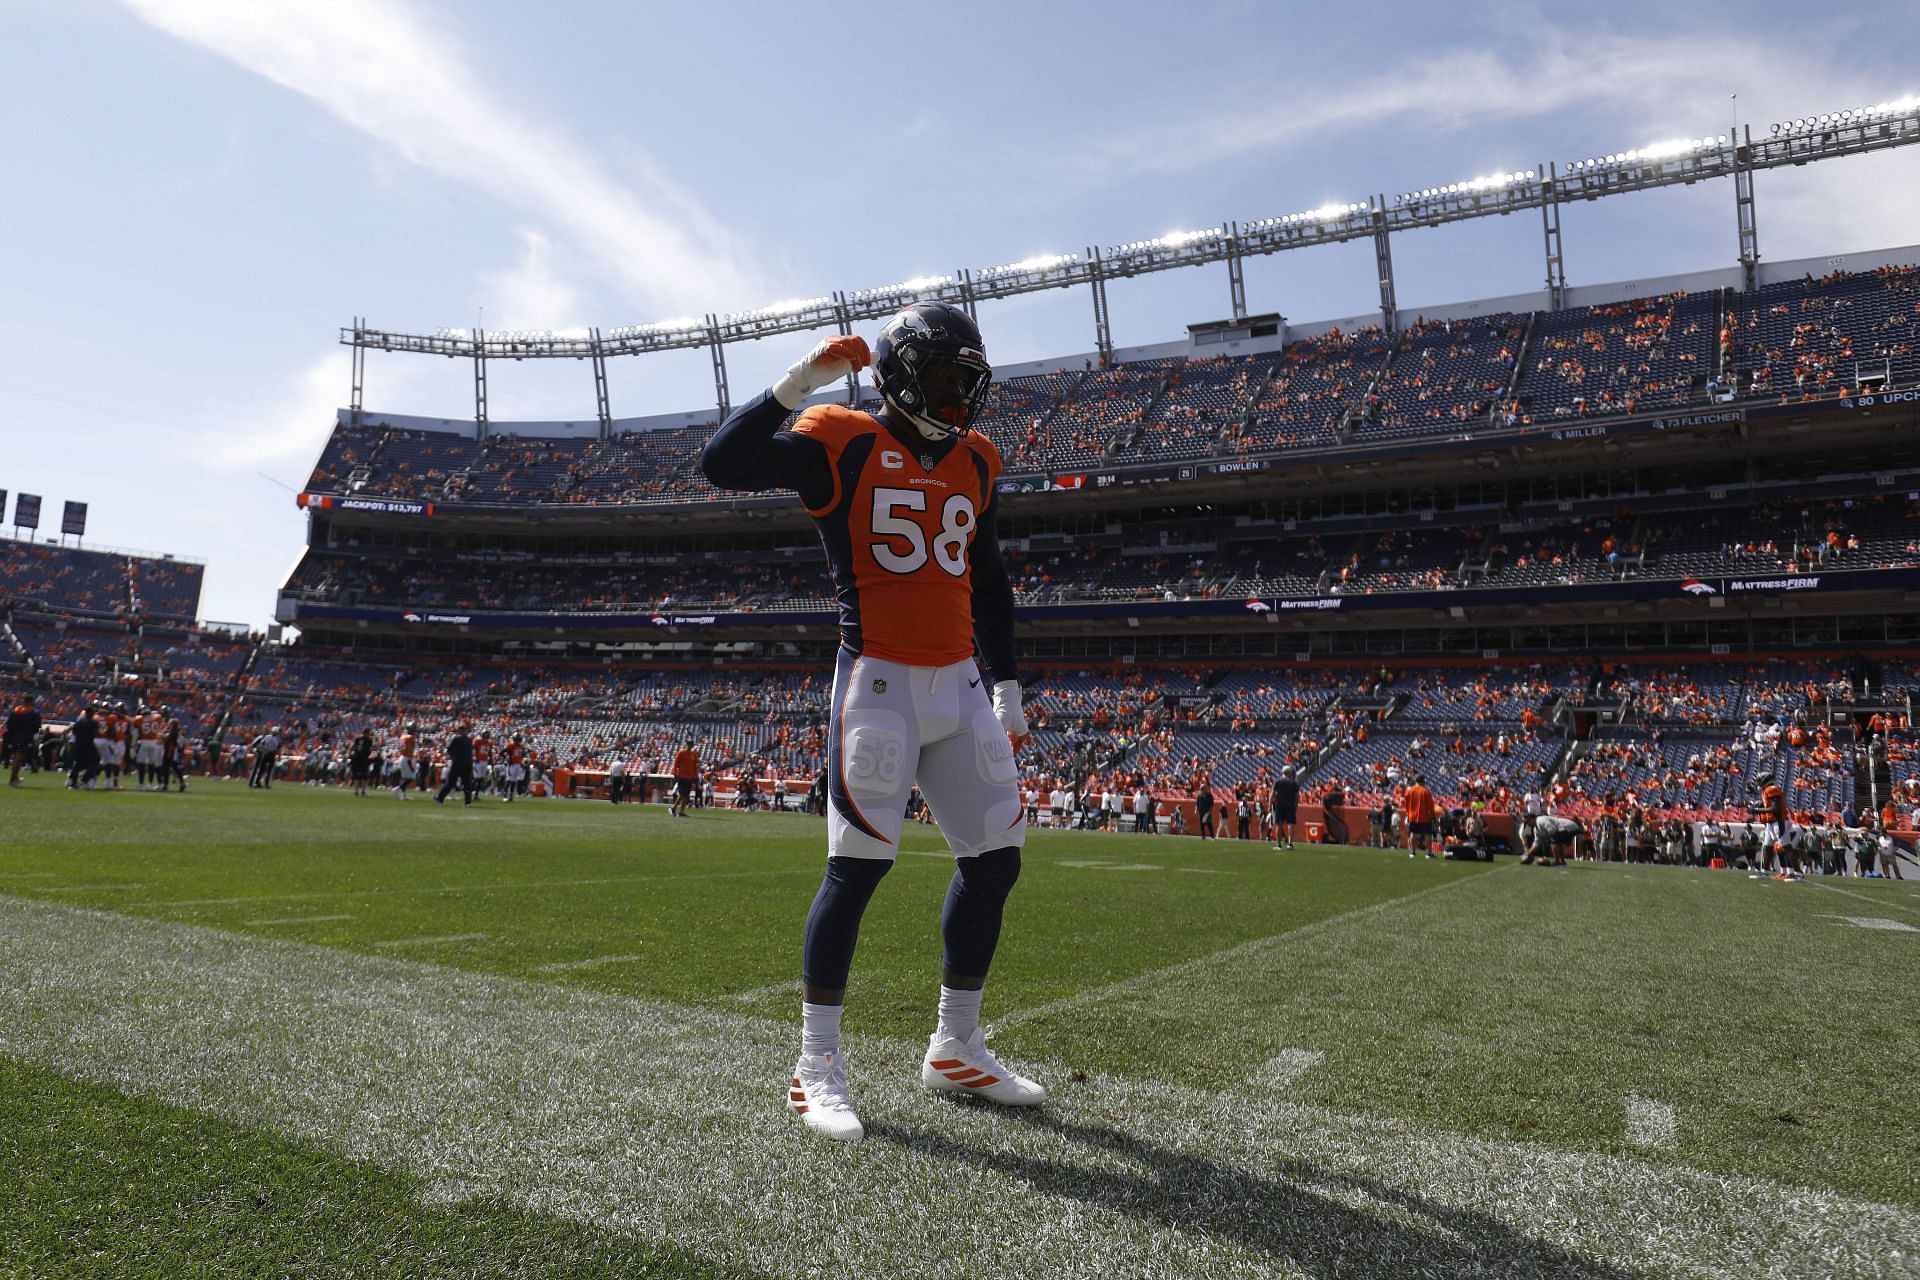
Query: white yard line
666, 1122
1650, 1123
591, 962
89, 888
298, 920
756, 994
1288, 1065
432, 940
1864, 897
1873, 922
458, 889
1230, 957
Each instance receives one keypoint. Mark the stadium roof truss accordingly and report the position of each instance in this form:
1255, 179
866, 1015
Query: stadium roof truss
1680, 162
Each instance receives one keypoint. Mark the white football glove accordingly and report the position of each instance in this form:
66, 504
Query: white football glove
1007, 709
831, 360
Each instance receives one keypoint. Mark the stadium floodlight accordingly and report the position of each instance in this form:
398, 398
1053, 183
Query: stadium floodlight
1333, 212
1180, 239
1849, 116
682, 324
1035, 265
919, 284
1654, 152
1492, 182
779, 310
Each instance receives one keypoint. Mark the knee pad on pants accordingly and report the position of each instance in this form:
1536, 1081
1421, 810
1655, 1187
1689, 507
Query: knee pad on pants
991, 875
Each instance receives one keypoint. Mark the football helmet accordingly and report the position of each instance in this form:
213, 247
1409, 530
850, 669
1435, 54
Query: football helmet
931, 365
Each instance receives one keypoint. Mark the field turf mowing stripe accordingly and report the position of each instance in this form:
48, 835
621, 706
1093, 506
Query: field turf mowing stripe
664, 1122
1231, 958
454, 889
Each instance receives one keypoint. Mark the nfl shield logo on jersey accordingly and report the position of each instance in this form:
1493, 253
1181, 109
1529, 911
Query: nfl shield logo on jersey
879, 686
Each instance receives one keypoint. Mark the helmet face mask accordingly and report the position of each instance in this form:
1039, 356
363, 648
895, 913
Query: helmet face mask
931, 365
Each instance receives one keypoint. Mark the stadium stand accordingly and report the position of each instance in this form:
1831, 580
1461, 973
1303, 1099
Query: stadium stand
1677, 716
99, 583
1799, 339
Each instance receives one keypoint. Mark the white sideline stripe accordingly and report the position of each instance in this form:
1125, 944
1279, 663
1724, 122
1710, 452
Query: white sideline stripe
1864, 897
1650, 1123
756, 994
89, 888
431, 940
458, 889
1873, 922
591, 962
1231, 956
1288, 1065
666, 1122
299, 920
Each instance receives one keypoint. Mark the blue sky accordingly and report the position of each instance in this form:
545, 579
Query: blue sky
203, 193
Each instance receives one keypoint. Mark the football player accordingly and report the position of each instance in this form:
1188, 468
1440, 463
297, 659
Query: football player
516, 768
903, 501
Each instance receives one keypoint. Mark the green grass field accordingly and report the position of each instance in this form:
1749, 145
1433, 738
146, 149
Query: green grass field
297, 1033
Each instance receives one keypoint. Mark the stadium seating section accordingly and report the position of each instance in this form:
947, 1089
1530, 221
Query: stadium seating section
1876, 531
1803, 339
1680, 740
99, 583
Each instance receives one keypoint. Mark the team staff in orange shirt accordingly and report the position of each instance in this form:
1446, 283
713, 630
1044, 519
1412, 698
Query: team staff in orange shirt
1421, 811
904, 503
686, 775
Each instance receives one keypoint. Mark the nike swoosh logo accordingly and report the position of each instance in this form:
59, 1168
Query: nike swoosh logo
973, 684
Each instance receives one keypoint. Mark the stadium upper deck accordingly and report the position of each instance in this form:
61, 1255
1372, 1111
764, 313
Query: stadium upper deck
1839, 339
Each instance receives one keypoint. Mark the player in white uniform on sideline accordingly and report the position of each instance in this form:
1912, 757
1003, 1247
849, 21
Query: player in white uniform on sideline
904, 506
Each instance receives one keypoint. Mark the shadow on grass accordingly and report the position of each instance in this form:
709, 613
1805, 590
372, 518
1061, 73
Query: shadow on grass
1292, 1218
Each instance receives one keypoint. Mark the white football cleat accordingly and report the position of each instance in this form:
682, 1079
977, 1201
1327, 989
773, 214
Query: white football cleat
818, 1095
969, 1067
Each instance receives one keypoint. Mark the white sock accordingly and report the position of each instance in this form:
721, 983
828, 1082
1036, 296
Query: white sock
959, 1013
819, 1028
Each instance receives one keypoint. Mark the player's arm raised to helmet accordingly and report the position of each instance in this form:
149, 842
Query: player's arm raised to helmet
749, 451
992, 598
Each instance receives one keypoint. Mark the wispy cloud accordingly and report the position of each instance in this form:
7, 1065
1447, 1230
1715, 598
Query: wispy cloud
381, 70
1632, 86
1612, 91
531, 294
287, 438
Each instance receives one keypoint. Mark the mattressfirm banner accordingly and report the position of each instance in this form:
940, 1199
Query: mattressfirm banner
26, 511
73, 519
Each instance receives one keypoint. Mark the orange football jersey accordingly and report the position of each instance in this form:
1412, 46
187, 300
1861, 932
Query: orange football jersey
897, 532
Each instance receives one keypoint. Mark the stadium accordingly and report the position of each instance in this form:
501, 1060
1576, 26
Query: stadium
1623, 577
